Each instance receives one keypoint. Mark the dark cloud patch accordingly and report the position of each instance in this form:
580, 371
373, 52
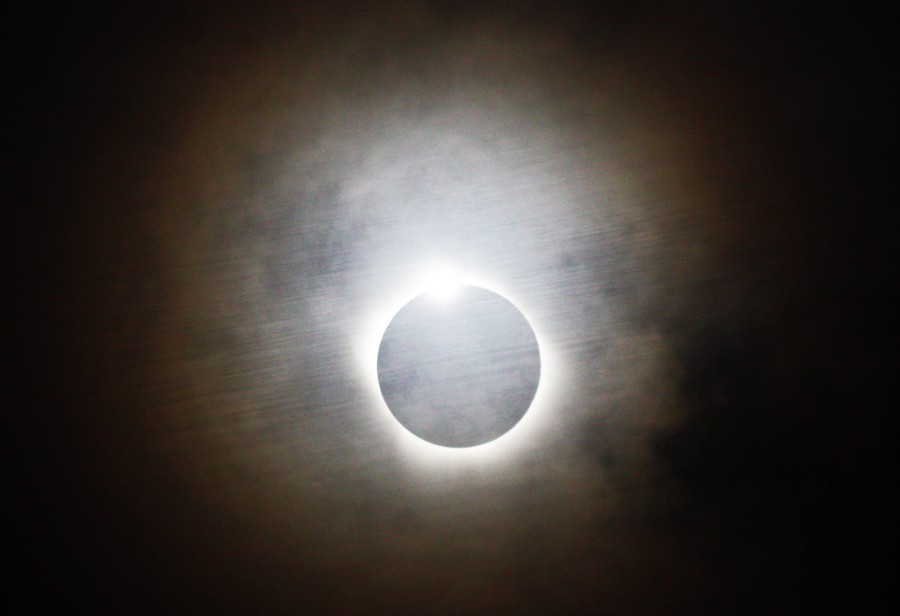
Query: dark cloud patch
767, 458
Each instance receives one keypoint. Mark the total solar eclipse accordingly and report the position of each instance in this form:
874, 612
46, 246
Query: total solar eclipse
459, 368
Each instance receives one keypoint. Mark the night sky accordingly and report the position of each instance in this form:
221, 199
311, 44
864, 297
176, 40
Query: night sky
217, 209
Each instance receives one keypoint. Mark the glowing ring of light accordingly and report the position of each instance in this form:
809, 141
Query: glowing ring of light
440, 280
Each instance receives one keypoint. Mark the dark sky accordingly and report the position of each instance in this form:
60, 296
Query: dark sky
221, 202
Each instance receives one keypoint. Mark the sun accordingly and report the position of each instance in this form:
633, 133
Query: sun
442, 281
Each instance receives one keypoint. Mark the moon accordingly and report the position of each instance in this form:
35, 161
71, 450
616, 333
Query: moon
459, 369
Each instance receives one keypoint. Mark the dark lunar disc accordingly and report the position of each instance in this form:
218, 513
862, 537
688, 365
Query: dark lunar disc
459, 372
